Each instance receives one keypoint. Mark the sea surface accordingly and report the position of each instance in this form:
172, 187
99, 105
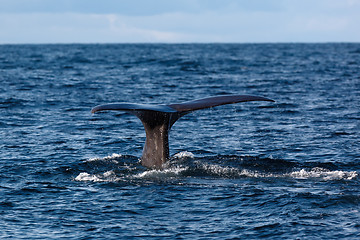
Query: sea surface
283, 170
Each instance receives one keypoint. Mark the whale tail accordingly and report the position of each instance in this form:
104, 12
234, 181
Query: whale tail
158, 120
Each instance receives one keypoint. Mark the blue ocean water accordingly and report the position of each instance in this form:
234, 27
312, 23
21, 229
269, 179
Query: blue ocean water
283, 170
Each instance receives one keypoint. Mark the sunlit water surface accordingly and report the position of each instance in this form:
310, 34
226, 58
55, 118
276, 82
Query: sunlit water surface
283, 170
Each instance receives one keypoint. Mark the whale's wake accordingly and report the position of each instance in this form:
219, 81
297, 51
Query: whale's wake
185, 164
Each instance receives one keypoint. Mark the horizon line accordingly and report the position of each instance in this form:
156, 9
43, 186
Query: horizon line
182, 43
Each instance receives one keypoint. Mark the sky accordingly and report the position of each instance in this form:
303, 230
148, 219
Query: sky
178, 21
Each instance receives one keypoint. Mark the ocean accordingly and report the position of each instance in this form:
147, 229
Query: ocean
283, 170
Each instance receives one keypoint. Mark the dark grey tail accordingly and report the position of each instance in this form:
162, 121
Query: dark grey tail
158, 119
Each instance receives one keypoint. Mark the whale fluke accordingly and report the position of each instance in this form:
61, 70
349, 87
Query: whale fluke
158, 119
215, 101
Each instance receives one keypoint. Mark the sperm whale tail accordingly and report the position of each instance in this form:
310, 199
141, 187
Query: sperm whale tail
158, 120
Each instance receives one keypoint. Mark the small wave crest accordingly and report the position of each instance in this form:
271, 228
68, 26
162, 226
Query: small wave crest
162, 174
324, 174
113, 156
184, 154
108, 176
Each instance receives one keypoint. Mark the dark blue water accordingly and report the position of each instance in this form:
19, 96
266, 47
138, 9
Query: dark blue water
284, 170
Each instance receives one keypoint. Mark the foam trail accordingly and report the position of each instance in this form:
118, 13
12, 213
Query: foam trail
314, 173
207, 169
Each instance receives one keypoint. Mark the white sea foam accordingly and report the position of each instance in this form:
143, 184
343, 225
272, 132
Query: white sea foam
184, 154
166, 173
108, 176
314, 173
231, 171
324, 174
111, 157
